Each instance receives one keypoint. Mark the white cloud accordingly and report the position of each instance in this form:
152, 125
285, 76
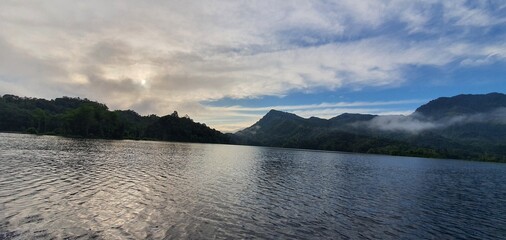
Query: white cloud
416, 123
318, 106
157, 56
464, 15
401, 123
234, 118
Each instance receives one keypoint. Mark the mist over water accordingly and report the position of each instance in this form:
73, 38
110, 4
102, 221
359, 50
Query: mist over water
52, 187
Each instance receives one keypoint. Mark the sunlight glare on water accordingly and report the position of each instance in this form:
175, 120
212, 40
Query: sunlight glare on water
53, 187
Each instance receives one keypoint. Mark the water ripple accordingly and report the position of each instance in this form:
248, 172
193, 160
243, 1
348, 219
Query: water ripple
58, 188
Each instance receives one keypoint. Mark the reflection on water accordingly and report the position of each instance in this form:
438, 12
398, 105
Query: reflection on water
53, 187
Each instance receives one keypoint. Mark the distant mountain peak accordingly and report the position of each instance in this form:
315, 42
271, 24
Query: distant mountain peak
277, 114
463, 104
464, 126
274, 112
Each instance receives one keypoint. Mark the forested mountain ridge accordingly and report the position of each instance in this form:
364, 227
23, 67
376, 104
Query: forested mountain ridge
464, 127
463, 104
84, 118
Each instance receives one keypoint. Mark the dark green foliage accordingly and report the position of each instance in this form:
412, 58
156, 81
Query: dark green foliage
31, 130
84, 118
347, 118
480, 140
279, 129
174, 128
483, 140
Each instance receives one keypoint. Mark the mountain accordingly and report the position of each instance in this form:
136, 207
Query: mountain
469, 119
347, 119
285, 124
463, 126
465, 104
88, 119
281, 129
281, 123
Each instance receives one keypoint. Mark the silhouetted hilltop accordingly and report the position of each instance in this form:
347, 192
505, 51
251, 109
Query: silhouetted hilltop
464, 104
464, 126
89, 119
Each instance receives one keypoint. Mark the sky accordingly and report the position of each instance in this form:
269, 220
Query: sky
227, 63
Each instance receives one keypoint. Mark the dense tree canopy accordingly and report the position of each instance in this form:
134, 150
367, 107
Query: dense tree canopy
84, 118
477, 140
469, 127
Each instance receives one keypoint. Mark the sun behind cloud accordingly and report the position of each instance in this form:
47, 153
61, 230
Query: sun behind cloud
157, 57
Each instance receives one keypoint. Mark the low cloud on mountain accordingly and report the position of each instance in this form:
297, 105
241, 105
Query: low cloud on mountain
416, 123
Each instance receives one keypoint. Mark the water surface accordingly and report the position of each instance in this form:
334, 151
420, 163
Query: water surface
53, 187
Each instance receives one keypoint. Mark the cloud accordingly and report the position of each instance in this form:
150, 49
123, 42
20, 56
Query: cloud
463, 13
234, 118
400, 123
320, 105
416, 123
19, 69
159, 56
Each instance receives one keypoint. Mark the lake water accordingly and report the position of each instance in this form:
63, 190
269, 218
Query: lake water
53, 187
